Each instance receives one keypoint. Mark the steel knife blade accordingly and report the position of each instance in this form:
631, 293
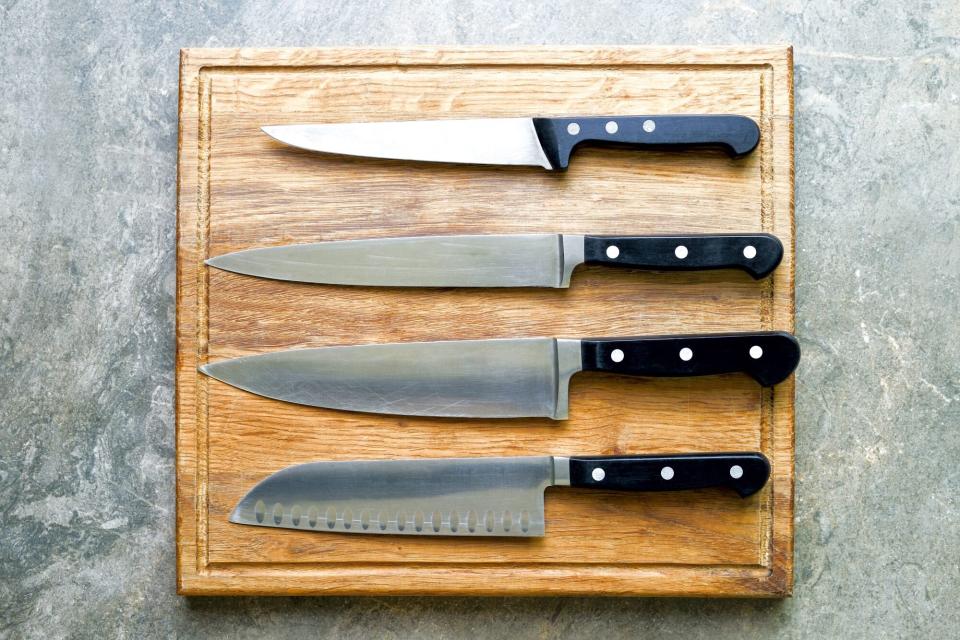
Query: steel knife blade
516, 260
471, 496
505, 378
543, 142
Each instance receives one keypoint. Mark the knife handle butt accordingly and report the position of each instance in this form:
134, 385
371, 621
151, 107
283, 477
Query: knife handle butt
746, 473
767, 356
756, 253
737, 135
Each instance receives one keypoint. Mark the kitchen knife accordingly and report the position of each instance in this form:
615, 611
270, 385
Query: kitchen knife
471, 496
541, 142
532, 260
493, 378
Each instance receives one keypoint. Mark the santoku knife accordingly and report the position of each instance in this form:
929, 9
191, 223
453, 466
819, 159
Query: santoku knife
542, 142
493, 378
471, 496
530, 260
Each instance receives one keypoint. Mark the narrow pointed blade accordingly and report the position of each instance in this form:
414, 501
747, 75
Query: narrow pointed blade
448, 497
465, 378
531, 260
509, 141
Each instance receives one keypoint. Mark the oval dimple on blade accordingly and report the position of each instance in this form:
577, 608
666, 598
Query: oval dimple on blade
277, 513
489, 521
471, 521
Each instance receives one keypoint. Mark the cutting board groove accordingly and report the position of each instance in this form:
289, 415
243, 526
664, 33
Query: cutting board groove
238, 189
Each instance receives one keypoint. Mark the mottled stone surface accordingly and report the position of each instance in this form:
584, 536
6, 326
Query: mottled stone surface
88, 122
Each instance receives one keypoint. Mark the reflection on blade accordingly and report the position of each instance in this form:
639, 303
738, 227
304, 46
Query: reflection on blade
463, 378
466, 496
530, 260
510, 141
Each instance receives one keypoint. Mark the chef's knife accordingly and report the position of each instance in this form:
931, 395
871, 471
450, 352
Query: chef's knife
493, 378
531, 260
542, 142
471, 496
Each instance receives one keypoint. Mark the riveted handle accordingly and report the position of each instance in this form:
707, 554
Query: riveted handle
768, 356
756, 253
746, 473
737, 135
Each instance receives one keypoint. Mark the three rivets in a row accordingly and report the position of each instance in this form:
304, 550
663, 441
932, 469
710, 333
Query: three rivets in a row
681, 252
667, 473
611, 127
686, 354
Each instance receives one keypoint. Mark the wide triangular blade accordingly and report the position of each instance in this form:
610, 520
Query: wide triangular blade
460, 378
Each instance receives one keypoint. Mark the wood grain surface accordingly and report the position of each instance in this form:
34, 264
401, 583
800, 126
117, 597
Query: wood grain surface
239, 189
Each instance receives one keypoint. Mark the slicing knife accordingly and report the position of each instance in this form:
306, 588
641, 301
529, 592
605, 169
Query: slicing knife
471, 496
507, 378
543, 142
516, 260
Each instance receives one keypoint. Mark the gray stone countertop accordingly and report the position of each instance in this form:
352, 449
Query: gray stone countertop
88, 143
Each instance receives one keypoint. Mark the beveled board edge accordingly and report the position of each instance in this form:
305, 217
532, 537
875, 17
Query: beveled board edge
774, 578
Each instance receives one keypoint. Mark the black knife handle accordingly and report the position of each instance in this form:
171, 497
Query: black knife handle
737, 135
745, 473
768, 356
756, 253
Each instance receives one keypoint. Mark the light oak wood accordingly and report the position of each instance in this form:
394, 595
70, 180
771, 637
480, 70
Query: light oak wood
238, 189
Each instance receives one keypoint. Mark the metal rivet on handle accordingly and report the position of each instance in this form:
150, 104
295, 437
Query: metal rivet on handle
749, 252
573, 128
617, 355
756, 351
736, 472
598, 474
686, 354
649, 126
666, 473
681, 252
613, 252
611, 127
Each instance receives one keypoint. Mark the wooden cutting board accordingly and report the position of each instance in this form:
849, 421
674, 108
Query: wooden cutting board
238, 189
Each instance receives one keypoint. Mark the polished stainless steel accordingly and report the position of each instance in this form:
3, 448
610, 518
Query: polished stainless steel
463, 378
483, 141
569, 361
521, 260
561, 471
572, 256
446, 497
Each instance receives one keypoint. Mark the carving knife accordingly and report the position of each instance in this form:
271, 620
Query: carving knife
471, 496
528, 260
507, 378
539, 142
